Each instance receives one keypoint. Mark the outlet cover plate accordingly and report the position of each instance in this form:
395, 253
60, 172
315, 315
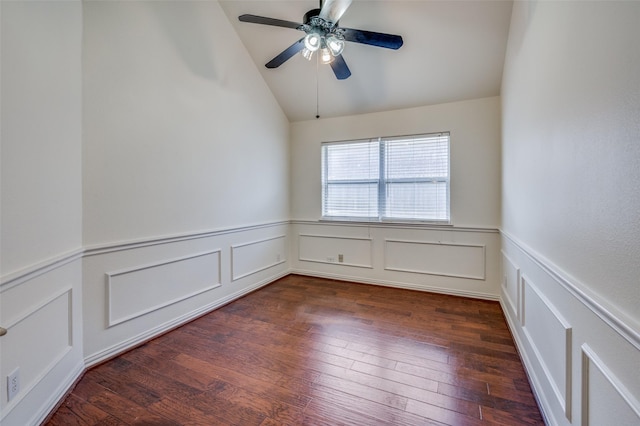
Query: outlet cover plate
13, 384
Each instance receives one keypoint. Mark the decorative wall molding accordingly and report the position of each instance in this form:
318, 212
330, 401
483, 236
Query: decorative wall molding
26, 274
12, 279
198, 288
63, 295
523, 279
67, 290
67, 365
544, 334
278, 257
337, 239
506, 290
146, 242
579, 291
589, 360
432, 247
133, 341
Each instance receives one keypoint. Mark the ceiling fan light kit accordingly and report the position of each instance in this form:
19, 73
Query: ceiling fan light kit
324, 35
306, 53
312, 41
325, 56
335, 44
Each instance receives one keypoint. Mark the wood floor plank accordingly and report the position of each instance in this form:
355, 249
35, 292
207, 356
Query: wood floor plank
186, 414
122, 408
442, 415
156, 380
288, 394
517, 408
123, 385
268, 406
358, 356
311, 351
75, 410
171, 370
441, 373
426, 392
339, 406
506, 418
362, 391
386, 374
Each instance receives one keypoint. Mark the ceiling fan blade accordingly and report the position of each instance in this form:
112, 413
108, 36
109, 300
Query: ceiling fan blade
388, 41
254, 19
286, 54
340, 68
332, 10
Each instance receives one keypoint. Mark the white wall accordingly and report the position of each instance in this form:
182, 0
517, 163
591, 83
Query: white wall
571, 203
41, 204
186, 170
400, 255
41, 131
475, 154
181, 134
571, 126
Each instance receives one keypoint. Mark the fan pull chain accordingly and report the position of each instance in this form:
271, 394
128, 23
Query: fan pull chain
317, 89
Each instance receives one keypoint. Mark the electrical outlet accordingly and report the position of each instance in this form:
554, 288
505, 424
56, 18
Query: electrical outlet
341, 258
278, 256
13, 384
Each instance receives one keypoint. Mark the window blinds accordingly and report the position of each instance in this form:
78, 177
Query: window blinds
400, 178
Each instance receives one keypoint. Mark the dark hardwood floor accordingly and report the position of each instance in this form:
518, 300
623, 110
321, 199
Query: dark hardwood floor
308, 351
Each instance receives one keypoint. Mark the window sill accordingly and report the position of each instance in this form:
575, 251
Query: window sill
433, 226
369, 222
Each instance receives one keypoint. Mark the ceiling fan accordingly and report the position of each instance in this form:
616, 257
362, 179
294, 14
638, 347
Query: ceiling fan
323, 34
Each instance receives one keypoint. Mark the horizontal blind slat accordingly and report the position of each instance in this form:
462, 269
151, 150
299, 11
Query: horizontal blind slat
414, 182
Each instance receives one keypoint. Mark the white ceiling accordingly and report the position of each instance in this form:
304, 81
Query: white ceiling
453, 50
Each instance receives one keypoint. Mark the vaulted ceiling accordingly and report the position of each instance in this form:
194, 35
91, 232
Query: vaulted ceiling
453, 50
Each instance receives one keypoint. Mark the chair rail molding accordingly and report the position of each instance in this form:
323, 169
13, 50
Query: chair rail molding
606, 313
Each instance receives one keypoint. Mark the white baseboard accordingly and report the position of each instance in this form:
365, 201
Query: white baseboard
528, 369
58, 394
397, 284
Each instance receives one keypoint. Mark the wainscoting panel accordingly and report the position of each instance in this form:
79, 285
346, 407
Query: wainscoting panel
511, 284
435, 258
48, 345
449, 260
134, 291
604, 394
79, 309
560, 330
327, 249
41, 313
255, 256
549, 335
137, 291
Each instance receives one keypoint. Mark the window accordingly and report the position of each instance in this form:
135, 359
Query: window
396, 179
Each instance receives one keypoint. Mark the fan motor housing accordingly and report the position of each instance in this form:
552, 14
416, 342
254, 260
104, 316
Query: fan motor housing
310, 14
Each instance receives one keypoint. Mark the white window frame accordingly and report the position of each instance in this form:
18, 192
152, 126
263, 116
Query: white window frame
382, 182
